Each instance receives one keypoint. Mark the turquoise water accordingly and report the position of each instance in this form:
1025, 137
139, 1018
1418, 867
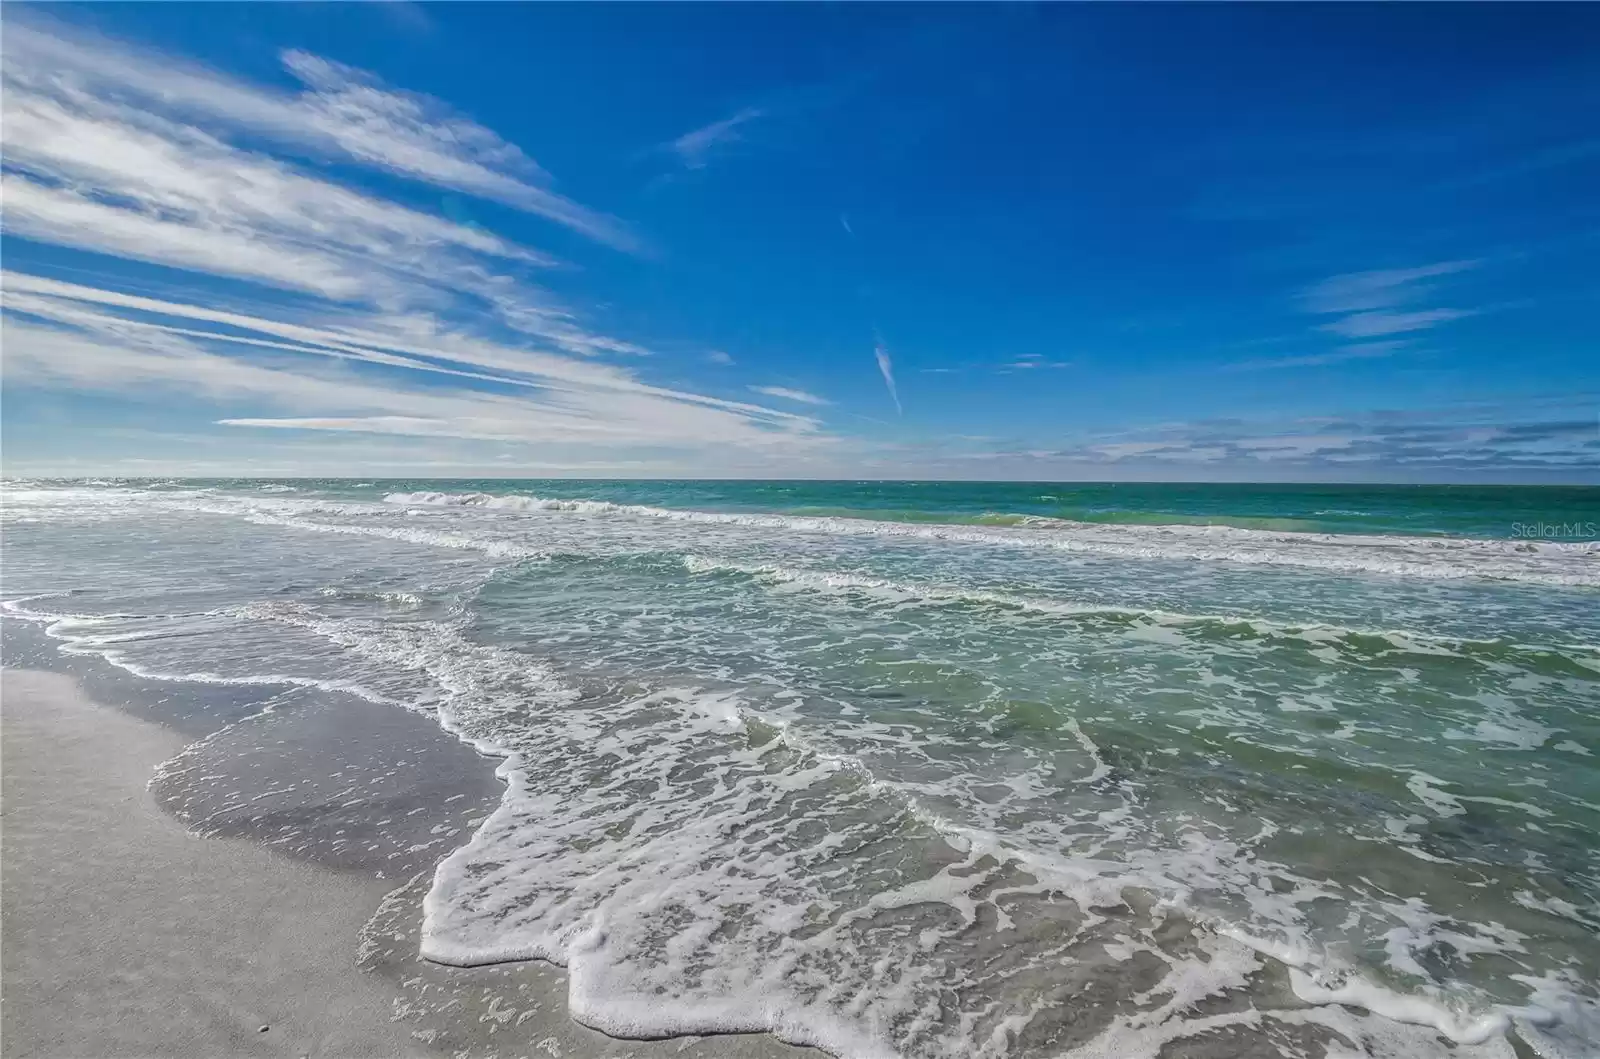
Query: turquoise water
1565, 512
943, 769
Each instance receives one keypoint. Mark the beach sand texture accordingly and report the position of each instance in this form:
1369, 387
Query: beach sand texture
126, 935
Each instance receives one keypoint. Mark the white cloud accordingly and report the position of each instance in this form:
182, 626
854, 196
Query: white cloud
717, 356
68, 218
1358, 351
788, 394
1379, 289
343, 113
342, 311
1122, 449
1368, 303
1030, 361
1377, 324
1549, 433
86, 351
106, 341
89, 169
1295, 446
477, 429
886, 369
692, 148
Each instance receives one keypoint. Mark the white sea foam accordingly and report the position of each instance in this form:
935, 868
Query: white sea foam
896, 591
666, 895
758, 868
933, 594
498, 549
538, 880
1358, 992
406, 599
1423, 557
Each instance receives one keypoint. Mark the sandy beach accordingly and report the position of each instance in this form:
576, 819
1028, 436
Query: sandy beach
127, 935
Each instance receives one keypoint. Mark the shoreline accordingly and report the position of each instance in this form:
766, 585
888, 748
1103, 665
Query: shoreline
150, 915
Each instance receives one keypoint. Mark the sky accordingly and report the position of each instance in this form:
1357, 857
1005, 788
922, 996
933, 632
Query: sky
1058, 242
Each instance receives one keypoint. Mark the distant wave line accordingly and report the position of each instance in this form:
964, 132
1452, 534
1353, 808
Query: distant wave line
1443, 558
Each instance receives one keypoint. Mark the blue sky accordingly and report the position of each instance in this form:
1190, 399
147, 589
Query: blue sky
1130, 242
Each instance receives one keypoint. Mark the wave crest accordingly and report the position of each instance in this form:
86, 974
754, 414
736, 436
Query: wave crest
1574, 564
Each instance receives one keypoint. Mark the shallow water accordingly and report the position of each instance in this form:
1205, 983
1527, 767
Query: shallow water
931, 769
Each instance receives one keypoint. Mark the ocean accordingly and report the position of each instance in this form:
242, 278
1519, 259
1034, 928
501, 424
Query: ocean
931, 769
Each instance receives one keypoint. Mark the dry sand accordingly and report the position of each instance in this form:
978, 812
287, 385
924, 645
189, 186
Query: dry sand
125, 935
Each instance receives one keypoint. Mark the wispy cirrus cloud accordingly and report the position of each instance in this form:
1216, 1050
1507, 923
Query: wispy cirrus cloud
346, 311
101, 341
342, 113
1370, 304
94, 174
694, 148
1357, 351
1379, 289
886, 369
788, 394
1031, 362
1377, 324
1549, 435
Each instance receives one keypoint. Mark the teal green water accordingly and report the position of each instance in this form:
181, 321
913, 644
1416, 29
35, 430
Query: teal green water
1564, 512
944, 769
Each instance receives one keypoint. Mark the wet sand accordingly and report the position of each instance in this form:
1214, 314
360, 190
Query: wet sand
126, 933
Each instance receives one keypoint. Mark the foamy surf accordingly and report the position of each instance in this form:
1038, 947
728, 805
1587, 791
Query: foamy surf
1536, 562
865, 791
